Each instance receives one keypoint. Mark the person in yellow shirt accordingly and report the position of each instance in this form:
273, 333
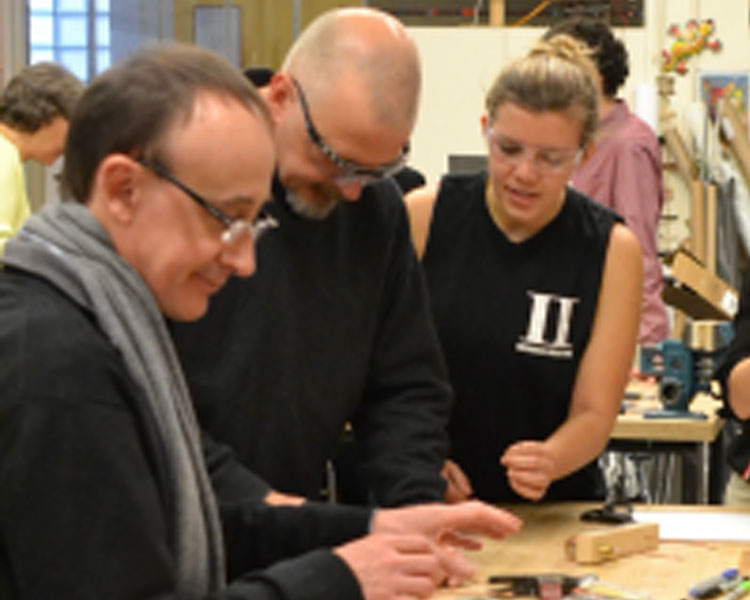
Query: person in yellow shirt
34, 110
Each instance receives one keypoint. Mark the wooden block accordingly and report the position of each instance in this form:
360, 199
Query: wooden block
497, 13
606, 544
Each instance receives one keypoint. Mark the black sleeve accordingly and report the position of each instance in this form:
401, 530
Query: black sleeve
318, 575
229, 478
81, 519
256, 536
285, 531
400, 426
82, 515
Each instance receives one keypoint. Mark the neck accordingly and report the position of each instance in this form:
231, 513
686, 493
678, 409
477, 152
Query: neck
17, 138
606, 105
515, 232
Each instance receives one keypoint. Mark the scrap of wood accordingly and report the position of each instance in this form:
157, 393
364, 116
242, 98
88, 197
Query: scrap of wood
590, 547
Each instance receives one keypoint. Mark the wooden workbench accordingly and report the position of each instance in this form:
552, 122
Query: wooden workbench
633, 425
696, 437
665, 573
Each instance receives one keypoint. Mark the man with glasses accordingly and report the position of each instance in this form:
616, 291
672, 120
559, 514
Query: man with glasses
344, 334
107, 490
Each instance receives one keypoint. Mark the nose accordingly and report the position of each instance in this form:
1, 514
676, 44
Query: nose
526, 167
350, 190
240, 256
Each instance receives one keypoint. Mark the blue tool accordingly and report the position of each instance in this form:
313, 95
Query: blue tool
715, 585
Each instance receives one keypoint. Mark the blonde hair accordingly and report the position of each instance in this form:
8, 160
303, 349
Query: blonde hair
557, 75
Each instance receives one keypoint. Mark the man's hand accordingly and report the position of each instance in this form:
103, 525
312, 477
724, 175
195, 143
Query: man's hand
402, 566
530, 467
459, 487
448, 524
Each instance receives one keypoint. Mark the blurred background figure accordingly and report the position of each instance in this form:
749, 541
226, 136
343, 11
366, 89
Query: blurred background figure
624, 170
34, 111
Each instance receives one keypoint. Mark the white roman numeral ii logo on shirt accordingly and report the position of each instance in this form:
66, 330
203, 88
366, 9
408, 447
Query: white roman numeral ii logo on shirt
533, 342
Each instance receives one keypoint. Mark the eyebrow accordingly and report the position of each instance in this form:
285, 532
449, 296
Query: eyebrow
539, 148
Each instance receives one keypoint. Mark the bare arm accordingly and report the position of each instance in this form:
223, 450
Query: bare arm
420, 204
600, 382
739, 389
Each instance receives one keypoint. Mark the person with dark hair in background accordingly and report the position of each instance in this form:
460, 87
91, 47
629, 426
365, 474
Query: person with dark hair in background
35, 108
107, 489
345, 334
547, 284
624, 171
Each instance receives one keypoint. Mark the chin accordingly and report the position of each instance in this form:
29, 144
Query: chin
186, 312
322, 201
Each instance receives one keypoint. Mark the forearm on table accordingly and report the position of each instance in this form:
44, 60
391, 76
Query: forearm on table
739, 388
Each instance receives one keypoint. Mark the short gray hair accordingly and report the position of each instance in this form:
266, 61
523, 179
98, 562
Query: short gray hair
333, 49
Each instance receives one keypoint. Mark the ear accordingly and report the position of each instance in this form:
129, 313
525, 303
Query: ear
484, 121
278, 94
115, 196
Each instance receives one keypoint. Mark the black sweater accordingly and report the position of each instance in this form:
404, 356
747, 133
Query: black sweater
82, 494
333, 327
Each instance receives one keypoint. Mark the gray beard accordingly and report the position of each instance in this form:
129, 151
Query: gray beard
305, 208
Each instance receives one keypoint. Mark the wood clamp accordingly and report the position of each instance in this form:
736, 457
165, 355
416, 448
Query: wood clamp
547, 586
590, 547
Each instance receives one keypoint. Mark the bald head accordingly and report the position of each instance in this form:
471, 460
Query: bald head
363, 47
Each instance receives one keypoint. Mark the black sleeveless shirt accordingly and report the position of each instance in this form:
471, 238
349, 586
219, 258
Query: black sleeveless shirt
514, 320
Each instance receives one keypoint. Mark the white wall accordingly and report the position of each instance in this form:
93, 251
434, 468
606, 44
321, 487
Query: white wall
460, 63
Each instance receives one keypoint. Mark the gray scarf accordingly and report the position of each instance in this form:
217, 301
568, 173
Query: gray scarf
66, 245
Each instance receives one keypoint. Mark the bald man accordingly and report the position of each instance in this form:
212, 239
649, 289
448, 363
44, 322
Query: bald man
343, 334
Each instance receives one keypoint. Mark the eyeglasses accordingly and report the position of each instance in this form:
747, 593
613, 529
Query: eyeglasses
349, 171
547, 161
235, 229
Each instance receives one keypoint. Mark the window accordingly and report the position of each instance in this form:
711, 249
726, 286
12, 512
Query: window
74, 33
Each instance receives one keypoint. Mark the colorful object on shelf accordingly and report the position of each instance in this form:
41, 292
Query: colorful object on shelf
692, 39
726, 85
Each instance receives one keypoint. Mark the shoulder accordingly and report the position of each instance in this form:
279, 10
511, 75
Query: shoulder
51, 339
591, 213
452, 189
420, 204
443, 204
10, 161
637, 136
624, 241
